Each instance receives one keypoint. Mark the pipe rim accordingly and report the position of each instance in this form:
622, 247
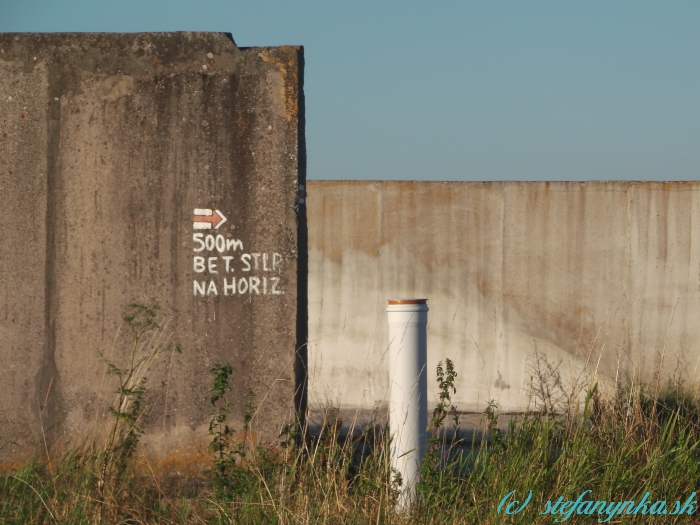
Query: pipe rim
407, 301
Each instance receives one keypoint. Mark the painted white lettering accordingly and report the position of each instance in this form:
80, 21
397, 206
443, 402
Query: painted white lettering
197, 237
264, 285
212, 289
265, 268
199, 264
210, 242
220, 246
233, 244
198, 288
256, 256
211, 263
245, 259
254, 283
242, 286
230, 287
274, 290
276, 261
228, 258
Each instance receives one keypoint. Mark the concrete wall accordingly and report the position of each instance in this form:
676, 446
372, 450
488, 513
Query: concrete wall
602, 277
109, 144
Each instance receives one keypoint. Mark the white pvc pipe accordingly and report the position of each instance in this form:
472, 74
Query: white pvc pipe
408, 407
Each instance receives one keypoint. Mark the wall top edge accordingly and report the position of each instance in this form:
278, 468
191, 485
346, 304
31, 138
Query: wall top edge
692, 184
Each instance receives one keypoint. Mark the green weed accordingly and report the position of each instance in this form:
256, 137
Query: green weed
635, 440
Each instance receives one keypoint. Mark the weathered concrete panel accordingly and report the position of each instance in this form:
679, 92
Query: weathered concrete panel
23, 191
125, 137
601, 276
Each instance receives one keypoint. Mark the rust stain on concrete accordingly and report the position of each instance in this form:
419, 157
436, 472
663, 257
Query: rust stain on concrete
286, 58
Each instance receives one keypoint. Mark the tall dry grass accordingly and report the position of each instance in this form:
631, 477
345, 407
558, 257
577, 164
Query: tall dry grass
620, 446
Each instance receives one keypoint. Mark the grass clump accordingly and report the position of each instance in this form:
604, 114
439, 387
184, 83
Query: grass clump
619, 447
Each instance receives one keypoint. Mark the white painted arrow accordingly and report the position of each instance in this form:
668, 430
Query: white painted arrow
204, 219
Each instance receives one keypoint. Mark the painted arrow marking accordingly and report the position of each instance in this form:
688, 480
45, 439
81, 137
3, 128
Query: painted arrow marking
205, 219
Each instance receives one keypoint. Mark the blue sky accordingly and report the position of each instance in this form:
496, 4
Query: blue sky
459, 90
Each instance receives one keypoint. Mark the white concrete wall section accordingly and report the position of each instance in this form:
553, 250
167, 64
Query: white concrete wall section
602, 276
